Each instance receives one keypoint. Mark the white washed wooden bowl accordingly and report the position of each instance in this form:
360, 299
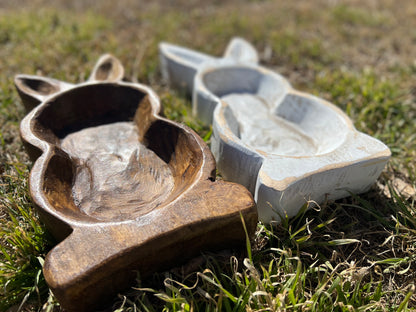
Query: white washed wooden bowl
287, 147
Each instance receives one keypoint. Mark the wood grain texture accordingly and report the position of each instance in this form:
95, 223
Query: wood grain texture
125, 190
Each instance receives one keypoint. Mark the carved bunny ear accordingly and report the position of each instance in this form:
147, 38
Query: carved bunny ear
241, 50
179, 65
107, 68
35, 89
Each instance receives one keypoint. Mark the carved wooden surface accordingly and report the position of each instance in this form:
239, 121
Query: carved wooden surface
125, 190
287, 147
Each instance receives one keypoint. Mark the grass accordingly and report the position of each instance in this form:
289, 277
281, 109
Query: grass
24, 242
355, 254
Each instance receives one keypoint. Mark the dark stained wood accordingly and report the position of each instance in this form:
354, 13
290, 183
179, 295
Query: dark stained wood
125, 190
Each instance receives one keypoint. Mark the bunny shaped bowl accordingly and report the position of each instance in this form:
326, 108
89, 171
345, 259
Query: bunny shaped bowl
285, 146
122, 188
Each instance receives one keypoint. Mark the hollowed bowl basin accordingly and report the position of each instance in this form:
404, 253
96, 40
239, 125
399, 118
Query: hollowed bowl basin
124, 190
289, 148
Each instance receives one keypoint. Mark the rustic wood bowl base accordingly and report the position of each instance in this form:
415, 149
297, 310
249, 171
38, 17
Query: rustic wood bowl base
125, 190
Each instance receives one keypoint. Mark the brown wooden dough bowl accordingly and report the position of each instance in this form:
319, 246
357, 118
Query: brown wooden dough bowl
122, 188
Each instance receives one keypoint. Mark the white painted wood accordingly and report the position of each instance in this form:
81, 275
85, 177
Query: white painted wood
285, 146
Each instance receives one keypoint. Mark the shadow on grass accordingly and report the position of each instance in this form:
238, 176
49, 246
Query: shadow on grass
343, 253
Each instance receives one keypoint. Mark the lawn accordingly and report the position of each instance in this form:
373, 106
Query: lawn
355, 254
